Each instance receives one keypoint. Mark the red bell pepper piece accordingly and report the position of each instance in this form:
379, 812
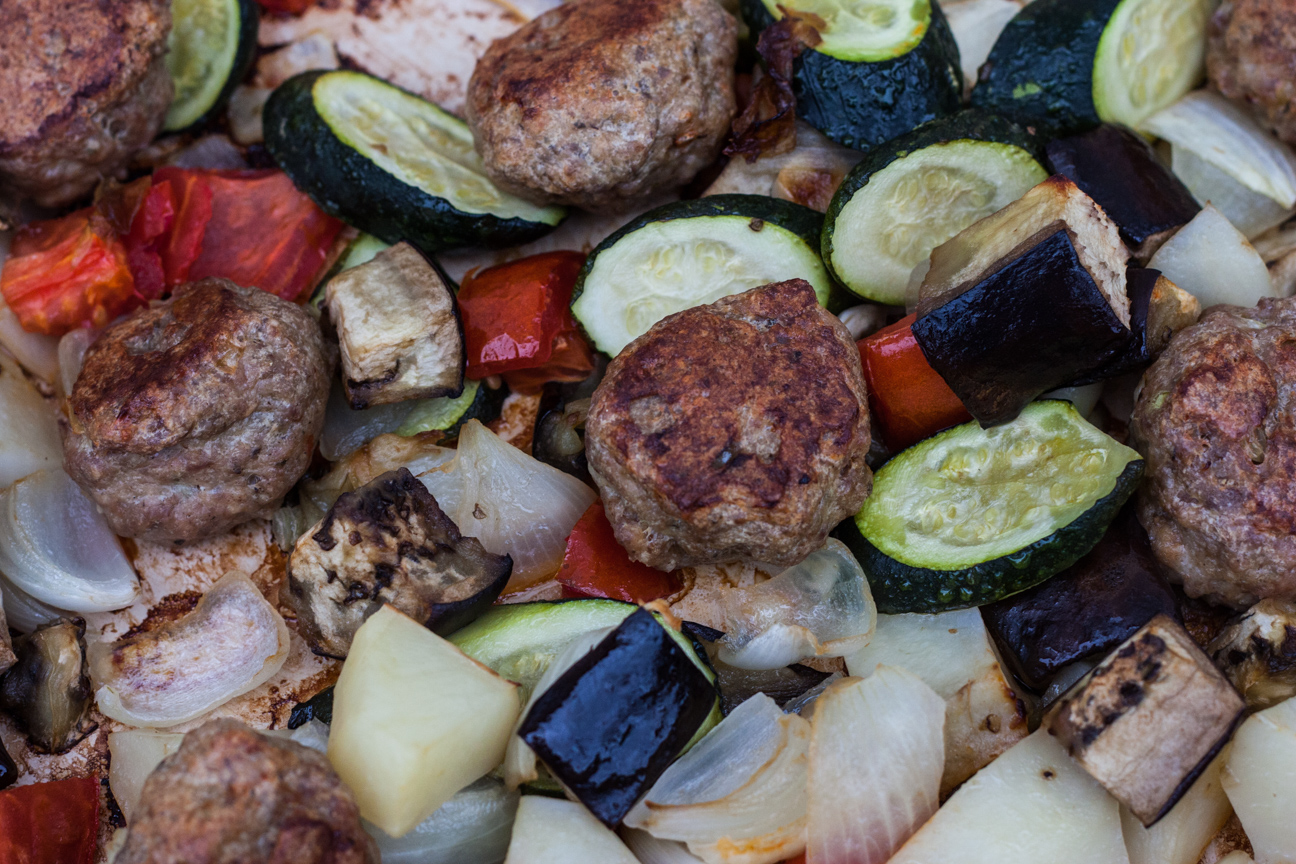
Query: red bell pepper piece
50, 823
152, 222
596, 565
191, 199
910, 399
291, 7
517, 316
67, 273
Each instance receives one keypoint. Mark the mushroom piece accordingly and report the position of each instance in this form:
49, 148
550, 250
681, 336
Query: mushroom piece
232, 642
388, 543
47, 692
1149, 718
1258, 653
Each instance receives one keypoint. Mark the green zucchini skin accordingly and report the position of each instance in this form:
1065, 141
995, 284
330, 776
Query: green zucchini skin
971, 124
249, 24
861, 105
898, 587
1040, 71
801, 221
347, 185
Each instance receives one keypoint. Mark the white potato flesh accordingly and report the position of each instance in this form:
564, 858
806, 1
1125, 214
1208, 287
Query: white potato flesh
551, 831
414, 721
1214, 262
1183, 833
1259, 778
135, 753
1031, 805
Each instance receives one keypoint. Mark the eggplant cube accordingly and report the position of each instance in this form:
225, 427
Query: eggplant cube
1025, 301
1149, 718
1258, 653
399, 329
613, 722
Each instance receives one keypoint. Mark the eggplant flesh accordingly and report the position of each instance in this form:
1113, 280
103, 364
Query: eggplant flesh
1031, 326
48, 691
1086, 610
611, 724
1257, 653
1118, 169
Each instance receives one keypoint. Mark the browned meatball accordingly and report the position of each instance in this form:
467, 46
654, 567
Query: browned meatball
1251, 57
83, 86
600, 102
733, 431
233, 796
199, 413
1216, 422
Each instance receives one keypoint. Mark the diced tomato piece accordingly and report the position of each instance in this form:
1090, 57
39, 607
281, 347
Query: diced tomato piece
67, 273
910, 398
50, 823
153, 219
191, 199
514, 313
596, 565
291, 7
263, 233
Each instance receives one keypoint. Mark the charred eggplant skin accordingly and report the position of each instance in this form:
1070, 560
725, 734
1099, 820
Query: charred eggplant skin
613, 722
8, 770
1087, 609
318, 707
1117, 168
1004, 342
48, 691
1137, 354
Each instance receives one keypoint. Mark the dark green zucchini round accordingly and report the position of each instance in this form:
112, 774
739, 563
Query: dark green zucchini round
863, 103
210, 50
360, 173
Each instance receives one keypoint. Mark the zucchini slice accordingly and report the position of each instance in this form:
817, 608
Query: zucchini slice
912, 194
690, 253
210, 49
393, 165
883, 67
974, 515
1070, 64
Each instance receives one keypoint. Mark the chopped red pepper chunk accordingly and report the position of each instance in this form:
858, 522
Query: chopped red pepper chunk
291, 7
192, 201
910, 398
517, 316
67, 273
50, 823
596, 565
153, 219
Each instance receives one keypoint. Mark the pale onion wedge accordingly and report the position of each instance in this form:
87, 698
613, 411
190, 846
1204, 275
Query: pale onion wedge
134, 755
232, 642
1033, 804
652, 850
414, 721
473, 827
821, 607
738, 797
26, 613
550, 831
1259, 777
1214, 262
877, 752
29, 437
57, 547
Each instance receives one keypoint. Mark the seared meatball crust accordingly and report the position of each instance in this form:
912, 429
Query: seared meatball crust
601, 102
1251, 57
199, 413
735, 431
1216, 422
83, 87
230, 795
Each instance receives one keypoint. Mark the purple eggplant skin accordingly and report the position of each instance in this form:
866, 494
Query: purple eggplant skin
1086, 610
1117, 168
1029, 327
1139, 284
611, 724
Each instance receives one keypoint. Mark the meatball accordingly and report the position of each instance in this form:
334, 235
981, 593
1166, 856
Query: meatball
601, 102
233, 795
733, 431
83, 87
198, 413
1251, 57
1216, 422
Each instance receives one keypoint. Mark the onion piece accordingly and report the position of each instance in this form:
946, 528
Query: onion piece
652, 850
473, 827
1249, 211
24, 612
1222, 133
512, 503
72, 349
347, 430
57, 547
134, 755
821, 607
976, 25
877, 752
233, 642
739, 795
1213, 261
29, 437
